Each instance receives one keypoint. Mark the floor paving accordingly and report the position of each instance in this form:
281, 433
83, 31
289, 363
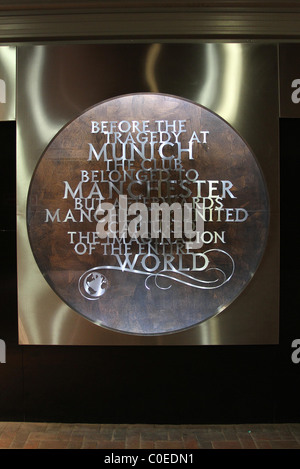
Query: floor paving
43, 435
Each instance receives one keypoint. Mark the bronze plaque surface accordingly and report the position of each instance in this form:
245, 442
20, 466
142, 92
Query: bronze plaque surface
139, 154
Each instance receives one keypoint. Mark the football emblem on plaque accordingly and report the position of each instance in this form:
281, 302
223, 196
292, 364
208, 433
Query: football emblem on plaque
148, 214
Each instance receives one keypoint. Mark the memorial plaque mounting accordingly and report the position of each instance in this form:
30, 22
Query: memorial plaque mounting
148, 214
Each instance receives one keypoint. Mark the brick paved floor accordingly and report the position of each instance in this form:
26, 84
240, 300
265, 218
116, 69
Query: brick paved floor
20, 435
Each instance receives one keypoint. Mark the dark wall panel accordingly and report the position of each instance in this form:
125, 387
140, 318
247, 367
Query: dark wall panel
149, 385
11, 373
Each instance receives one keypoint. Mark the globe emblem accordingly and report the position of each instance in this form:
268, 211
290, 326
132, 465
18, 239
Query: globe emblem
95, 284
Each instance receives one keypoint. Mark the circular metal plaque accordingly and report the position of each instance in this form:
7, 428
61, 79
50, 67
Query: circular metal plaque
147, 214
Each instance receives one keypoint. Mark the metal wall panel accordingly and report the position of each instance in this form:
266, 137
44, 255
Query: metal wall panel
236, 81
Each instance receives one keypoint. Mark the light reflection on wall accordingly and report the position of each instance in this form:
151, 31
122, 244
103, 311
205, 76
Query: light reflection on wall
151, 60
45, 127
219, 74
232, 82
212, 70
222, 80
